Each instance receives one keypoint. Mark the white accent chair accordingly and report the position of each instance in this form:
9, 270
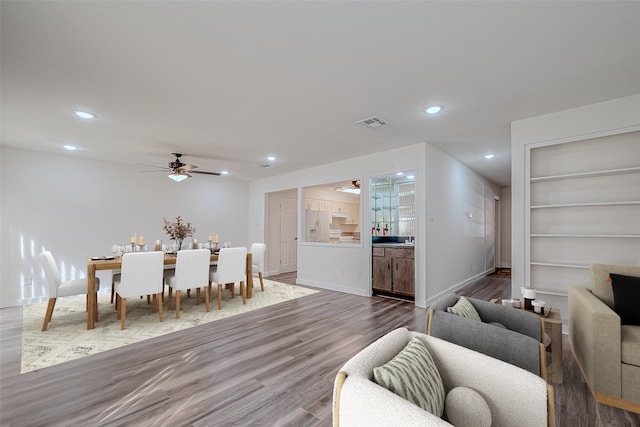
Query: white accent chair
142, 274
515, 397
257, 257
192, 271
232, 268
59, 288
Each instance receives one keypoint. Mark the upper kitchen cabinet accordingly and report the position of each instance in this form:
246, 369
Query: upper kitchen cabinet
332, 212
393, 205
318, 204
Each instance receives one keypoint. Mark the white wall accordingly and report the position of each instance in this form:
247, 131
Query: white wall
505, 224
457, 245
606, 118
444, 247
78, 208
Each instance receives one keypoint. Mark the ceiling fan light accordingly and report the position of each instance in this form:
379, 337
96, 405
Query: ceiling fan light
178, 176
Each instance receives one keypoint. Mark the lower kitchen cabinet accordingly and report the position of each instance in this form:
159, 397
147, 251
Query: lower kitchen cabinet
393, 270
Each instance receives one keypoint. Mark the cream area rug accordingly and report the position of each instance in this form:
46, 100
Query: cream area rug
67, 337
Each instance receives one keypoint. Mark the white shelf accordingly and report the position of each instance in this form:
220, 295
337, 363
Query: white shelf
551, 292
632, 236
573, 205
562, 265
587, 174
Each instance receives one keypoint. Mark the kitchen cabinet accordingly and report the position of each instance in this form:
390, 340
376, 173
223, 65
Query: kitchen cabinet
317, 204
339, 207
353, 213
393, 270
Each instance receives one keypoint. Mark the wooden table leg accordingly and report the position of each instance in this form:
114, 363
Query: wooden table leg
249, 276
555, 332
91, 296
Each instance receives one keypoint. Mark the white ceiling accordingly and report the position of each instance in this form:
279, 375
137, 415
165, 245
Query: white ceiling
229, 83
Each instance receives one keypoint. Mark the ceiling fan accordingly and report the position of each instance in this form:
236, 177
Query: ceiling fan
180, 171
347, 187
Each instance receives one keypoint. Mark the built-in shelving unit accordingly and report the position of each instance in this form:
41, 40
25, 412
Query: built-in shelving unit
584, 207
586, 174
392, 206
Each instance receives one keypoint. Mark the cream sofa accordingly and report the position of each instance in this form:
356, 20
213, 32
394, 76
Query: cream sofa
515, 396
607, 352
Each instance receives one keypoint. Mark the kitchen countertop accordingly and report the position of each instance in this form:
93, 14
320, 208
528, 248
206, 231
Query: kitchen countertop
393, 245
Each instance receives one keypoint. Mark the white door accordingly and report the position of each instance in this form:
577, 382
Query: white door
288, 235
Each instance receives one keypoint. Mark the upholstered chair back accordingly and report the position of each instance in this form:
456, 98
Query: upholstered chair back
192, 269
232, 265
142, 274
257, 257
601, 286
51, 273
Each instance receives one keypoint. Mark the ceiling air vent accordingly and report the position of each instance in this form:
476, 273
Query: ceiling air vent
372, 122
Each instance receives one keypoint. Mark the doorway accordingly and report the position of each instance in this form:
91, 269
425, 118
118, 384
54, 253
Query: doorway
281, 232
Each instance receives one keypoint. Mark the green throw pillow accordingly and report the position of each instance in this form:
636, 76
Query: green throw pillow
413, 375
464, 308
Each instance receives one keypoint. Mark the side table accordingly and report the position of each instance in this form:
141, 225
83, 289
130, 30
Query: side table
553, 327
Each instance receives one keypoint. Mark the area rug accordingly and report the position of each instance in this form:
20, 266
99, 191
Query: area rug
67, 337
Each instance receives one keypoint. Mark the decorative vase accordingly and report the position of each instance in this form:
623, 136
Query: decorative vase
179, 242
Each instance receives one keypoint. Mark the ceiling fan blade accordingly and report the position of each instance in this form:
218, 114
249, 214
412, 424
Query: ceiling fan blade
152, 166
188, 167
206, 173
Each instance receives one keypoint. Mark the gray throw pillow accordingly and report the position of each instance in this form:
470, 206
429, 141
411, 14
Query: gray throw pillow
464, 308
413, 375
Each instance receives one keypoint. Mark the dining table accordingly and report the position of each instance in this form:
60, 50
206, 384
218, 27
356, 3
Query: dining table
115, 263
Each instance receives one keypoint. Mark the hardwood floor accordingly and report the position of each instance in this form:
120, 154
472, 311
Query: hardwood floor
274, 366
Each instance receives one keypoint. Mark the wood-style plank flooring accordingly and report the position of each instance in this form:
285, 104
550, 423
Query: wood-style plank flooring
274, 366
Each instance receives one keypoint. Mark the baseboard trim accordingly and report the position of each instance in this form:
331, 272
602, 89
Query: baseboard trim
452, 289
333, 287
606, 399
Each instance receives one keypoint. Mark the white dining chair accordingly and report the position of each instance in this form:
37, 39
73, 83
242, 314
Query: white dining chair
257, 261
192, 271
59, 288
141, 275
232, 268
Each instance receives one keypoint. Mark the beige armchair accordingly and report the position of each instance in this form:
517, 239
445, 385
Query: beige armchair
515, 397
607, 352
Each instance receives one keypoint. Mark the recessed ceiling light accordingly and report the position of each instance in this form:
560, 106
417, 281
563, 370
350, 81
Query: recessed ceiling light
399, 173
271, 158
70, 147
435, 109
224, 172
410, 176
489, 156
84, 114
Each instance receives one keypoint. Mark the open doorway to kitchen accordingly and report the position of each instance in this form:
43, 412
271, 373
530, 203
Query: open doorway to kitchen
393, 227
281, 228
